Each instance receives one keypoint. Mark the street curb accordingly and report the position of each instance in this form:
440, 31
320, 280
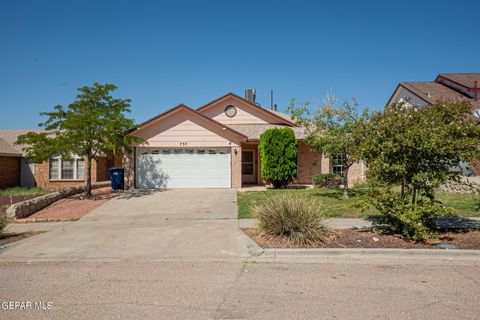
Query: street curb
363, 251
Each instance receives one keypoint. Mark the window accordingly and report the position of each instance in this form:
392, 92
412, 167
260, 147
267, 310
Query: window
80, 169
337, 165
67, 169
54, 169
230, 111
63, 169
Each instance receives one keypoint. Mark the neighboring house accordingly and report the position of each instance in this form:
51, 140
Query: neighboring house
10, 163
215, 146
446, 87
56, 173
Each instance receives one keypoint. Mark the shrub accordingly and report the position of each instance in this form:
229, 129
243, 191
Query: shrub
291, 218
327, 180
414, 222
278, 152
4, 219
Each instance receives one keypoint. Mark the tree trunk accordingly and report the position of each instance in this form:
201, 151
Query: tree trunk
414, 195
88, 193
345, 182
402, 192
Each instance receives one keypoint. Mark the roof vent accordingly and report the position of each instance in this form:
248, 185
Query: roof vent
250, 95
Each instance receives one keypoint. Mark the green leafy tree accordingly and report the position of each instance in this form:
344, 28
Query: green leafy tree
331, 129
278, 154
93, 125
418, 148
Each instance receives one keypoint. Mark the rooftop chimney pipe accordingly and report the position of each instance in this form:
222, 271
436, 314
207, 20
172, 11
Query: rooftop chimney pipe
250, 95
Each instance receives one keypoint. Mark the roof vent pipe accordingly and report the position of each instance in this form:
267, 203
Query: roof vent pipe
250, 95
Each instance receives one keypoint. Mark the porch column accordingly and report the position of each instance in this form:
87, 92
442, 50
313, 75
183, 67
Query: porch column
236, 154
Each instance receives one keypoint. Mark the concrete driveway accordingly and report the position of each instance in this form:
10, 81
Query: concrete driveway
183, 223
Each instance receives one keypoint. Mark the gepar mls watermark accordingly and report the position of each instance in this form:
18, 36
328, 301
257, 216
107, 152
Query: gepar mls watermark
26, 305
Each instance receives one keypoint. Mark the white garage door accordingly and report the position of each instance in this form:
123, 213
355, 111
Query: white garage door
183, 168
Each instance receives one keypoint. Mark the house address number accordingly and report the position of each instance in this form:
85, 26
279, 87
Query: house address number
183, 143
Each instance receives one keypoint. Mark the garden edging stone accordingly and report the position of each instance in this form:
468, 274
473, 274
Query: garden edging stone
26, 208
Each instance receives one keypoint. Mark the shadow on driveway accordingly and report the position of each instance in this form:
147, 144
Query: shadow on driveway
139, 193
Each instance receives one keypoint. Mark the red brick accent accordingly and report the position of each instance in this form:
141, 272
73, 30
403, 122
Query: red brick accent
9, 172
99, 173
101, 169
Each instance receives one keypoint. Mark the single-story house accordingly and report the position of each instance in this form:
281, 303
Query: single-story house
56, 173
216, 146
446, 87
10, 163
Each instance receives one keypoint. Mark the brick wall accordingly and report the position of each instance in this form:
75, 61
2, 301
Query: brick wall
309, 163
9, 172
128, 162
101, 169
236, 167
99, 173
356, 174
475, 167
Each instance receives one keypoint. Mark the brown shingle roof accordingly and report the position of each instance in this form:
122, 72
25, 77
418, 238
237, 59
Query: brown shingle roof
283, 115
434, 91
465, 79
254, 130
7, 150
10, 136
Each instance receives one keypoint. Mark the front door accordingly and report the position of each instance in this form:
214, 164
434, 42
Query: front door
248, 166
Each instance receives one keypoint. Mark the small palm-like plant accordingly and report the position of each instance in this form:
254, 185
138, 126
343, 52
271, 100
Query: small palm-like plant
292, 219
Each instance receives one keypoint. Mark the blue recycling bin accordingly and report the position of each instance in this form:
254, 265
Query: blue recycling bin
116, 178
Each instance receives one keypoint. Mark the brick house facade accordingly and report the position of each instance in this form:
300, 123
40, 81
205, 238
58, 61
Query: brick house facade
9, 171
42, 175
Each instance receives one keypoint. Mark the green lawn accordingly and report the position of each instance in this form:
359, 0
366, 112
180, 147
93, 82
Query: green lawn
21, 191
337, 206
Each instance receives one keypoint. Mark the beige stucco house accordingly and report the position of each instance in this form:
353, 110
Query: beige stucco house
215, 146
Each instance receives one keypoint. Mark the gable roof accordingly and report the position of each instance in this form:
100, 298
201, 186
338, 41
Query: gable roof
183, 107
7, 150
431, 92
283, 118
466, 80
11, 136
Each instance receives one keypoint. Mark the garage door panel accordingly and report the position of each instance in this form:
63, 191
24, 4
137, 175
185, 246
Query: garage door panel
183, 168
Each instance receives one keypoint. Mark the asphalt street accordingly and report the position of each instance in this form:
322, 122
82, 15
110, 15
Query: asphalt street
349, 287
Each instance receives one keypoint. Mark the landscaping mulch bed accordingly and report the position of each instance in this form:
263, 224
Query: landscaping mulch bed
71, 208
360, 238
12, 237
9, 200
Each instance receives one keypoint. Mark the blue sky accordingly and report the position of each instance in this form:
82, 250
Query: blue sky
162, 53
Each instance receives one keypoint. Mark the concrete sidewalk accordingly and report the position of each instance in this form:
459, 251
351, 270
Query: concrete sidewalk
348, 223
334, 223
